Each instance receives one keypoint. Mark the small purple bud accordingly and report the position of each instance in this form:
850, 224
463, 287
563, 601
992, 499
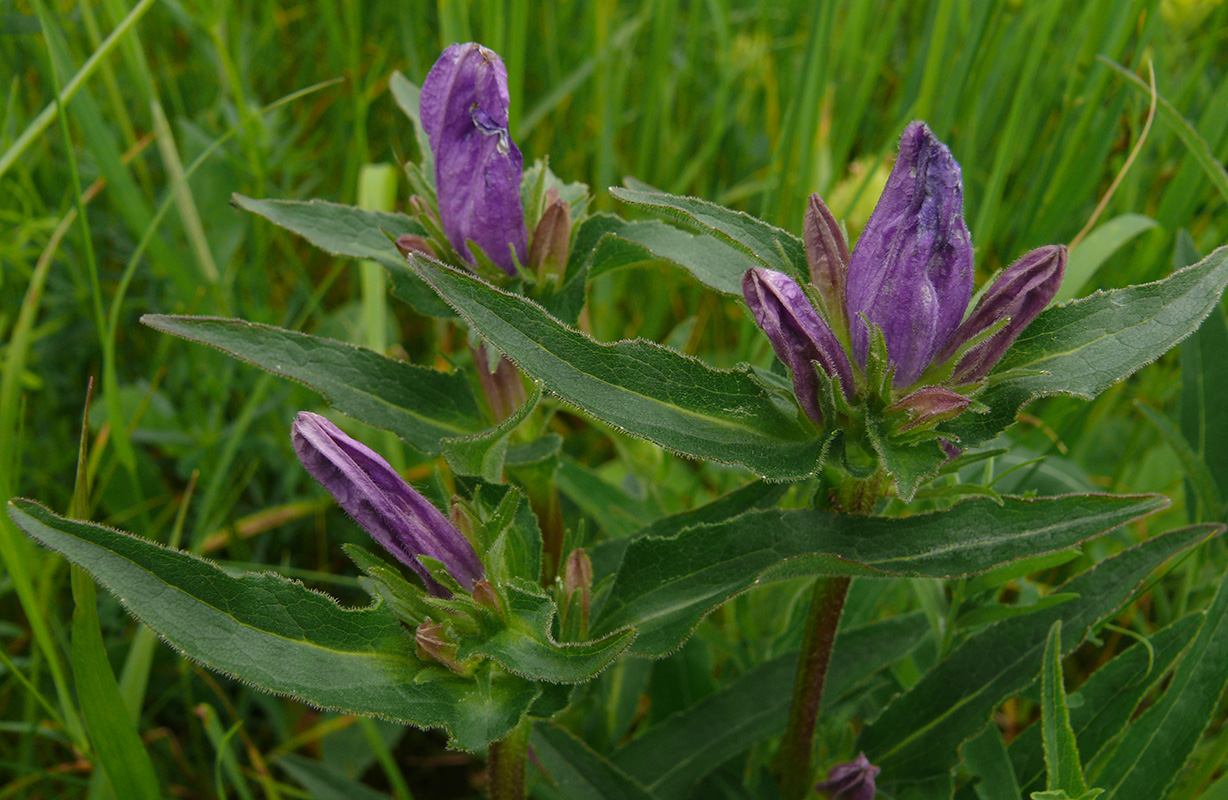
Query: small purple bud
432, 645
412, 243
1020, 293
798, 335
929, 404
502, 386
370, 490
827, 254
464, 107
852, 780
552, 239
911, 272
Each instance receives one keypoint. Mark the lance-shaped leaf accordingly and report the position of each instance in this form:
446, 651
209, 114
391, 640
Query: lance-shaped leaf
918, 734
609, 242
280, 636
527, 647
1083, 347
420, 405
354, 232
1157, 744
643, 388
576, 770
673, 755
1109, 697
760, 243
664, 587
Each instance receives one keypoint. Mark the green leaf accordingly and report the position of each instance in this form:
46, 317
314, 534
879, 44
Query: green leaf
1204, 384
640, 387
407, 96
1092, 252
1109, 696
323, 782
121, 753
909, 464
612, 243
483, 454
664, 587
1065, 770
985, 755
353, 232
526, 644
576, 770
762, 244
618, 513
1196, 471
1059, 794
918, 734
1083, 347
673, 755
1157, 744
420, 405
280, 636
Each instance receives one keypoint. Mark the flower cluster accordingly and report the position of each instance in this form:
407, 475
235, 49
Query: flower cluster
885, 323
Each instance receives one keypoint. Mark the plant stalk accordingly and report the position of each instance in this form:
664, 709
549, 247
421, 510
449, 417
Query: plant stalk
506, 763
826, 604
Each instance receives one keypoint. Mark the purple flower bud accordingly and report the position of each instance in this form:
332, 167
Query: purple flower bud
478, 168
911, 272
552, 239
798, 335
1020, 293
852, 780
412, 243
827, 254
929, 404
501, 384
370, 490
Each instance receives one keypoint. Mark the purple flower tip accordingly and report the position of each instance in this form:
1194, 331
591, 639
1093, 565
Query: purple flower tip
798, 335
852, 780
370, 490
464, 110
1020, 293
911, 271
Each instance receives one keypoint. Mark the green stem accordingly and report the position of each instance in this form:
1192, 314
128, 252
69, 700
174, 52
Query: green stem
826, 604
506, 763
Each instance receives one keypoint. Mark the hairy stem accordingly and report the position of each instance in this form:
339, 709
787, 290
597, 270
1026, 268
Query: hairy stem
506, 763
826, 603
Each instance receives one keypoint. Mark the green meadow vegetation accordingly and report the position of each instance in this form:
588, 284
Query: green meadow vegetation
128, 126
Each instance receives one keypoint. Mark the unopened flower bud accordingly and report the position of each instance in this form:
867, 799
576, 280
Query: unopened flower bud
485, 595
798, 335
382, 503
578, 578
502, 386
464, 111
1020, 293
433, 646
911, 272
412, 243
929, 405
852, 780
828, 256
552, 239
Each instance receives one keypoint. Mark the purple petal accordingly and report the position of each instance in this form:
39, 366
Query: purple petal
478, 168
370, 490
1020, 293
798, 335
852, 780
911, 272
827, 254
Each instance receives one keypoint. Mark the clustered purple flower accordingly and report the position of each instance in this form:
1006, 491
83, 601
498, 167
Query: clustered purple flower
382, 503
910, 278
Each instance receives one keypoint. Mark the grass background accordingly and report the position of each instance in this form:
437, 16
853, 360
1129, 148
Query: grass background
109, 103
